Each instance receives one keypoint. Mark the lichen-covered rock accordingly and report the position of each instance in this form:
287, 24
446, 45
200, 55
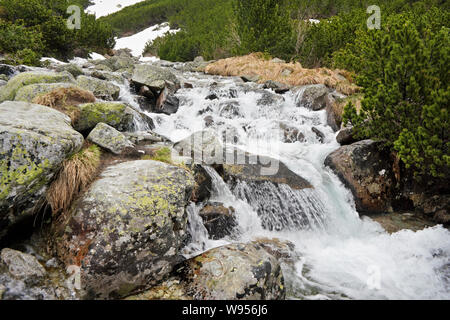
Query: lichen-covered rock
312, 97
367, 171
218, 220
233, 272
28, 93
117, 115
110, 139
126, 232
100, 88
116, 63
152, 76
73, 69
9, 91
34, 141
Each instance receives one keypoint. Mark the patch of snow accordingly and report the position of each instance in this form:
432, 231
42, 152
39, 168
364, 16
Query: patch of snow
52, 60
136, 43
105, 7
314, 21
96, 56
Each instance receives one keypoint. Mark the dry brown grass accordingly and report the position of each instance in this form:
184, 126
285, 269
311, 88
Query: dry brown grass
66, 100
255, 64
76, 174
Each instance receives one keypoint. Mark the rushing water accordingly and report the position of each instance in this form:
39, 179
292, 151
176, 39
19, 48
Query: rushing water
341, 255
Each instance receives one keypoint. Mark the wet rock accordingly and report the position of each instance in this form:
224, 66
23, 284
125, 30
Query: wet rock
230, 110
212, 96
319, 134
218, 220
260, 169
28, 93
291, 134
126, 232
146, 92
117, 115
209, 121
203, 184
7, 70
167, 103
269, 98
34, 141
250, 78
112, 140
100, 88
8, 92
233, 272
146, 104
394, 222
153, 77
345, 137
312, 97
276, 86
367, 171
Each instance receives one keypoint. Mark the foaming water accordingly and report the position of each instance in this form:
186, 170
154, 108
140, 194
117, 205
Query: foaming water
341, 255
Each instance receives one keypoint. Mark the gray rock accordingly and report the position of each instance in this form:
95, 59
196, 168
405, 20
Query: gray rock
250, 78
22, 266
34, 141
233, 272
127, 230
73, 69
110, 139
167, 103
153, 77
312, 97
100, 88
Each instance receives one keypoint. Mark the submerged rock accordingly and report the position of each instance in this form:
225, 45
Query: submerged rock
34, 141
117, 115
218, 220
367, 171
126, 232
100, 88
9, 91
110, 139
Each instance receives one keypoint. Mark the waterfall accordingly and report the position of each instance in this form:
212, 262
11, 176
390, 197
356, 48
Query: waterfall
341, 255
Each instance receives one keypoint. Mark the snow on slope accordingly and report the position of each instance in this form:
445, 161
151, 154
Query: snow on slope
137, 41
104, 7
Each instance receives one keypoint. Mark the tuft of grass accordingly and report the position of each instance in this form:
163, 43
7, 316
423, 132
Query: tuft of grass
256, 64
76, 174
66, 100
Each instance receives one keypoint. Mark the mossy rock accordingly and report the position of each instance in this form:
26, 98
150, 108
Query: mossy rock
127, 231
29, 92
117, 115
100, 88
34, 141
9, 91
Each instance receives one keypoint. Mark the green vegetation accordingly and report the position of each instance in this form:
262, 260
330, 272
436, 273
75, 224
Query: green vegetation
33, 28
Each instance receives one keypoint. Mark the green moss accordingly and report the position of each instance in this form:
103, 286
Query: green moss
94, 113
27, 78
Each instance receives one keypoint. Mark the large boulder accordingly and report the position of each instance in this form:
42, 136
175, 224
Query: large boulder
367, 171
34, 141
100, 88
152, 76
9, 91
117, 115
232, 272
312, 97
110, 139
28, 93
126, 232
